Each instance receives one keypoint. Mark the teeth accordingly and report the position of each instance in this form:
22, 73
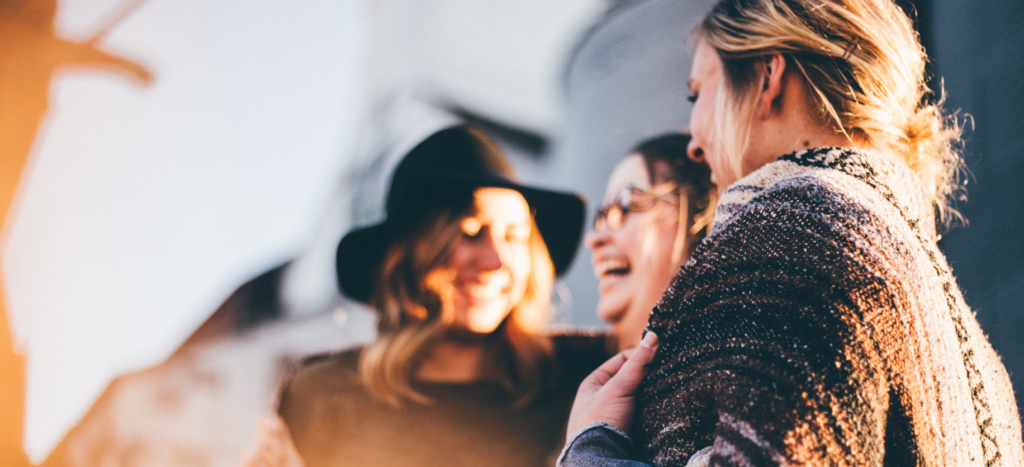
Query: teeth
483, 292
604, 267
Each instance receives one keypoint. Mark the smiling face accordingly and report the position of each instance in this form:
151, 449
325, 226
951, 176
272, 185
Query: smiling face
490, 260
635, 263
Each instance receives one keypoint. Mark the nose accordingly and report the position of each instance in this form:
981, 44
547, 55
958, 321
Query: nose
597, 238
489, 254
694, 152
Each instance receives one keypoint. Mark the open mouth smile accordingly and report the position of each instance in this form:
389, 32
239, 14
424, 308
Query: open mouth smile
611, 268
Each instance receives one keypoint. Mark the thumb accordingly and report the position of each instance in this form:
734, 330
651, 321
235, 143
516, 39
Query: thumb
633, 371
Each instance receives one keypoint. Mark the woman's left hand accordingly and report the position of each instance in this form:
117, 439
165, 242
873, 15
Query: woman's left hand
607, 395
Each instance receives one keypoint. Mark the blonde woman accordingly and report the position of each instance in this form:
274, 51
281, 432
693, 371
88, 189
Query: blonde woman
818, 323
462, 372
657, 207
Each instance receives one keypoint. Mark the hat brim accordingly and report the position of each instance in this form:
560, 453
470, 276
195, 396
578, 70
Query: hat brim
358, 259
559, 217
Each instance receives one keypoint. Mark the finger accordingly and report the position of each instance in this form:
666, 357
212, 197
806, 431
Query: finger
628, 378
644, 353
608, 369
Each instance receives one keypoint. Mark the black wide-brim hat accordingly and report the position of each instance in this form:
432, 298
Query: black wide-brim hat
439, 175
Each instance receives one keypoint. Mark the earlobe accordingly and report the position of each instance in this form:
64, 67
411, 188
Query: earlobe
695, 153
774, 66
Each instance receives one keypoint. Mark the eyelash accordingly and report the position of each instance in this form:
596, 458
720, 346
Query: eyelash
692, 98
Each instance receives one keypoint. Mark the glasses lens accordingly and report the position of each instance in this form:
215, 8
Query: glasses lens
614, 213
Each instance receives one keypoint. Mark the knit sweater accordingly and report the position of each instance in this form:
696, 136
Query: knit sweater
819, 324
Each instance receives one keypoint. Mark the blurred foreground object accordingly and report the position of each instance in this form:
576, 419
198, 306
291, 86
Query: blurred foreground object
200, 406
30, 53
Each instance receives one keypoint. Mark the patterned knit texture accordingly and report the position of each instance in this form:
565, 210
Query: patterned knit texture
819, 324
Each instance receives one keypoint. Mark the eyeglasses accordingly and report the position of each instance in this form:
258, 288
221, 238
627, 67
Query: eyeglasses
632, 199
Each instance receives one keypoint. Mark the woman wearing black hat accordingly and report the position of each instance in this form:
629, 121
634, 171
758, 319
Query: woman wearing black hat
461, 372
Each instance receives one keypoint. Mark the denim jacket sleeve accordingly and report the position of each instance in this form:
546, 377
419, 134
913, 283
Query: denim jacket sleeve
598, 444
604, 444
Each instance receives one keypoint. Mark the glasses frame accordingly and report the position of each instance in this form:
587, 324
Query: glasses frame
612, 215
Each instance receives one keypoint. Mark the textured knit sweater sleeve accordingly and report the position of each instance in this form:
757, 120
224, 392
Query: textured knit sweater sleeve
819, 325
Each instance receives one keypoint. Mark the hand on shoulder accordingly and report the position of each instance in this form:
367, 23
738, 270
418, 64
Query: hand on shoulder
608, 393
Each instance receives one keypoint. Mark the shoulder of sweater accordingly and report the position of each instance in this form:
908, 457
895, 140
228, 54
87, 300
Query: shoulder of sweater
784, 215
337, 369
823, 194
833, 180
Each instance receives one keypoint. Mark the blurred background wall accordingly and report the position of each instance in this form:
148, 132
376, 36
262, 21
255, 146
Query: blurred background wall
172, 255
977, 51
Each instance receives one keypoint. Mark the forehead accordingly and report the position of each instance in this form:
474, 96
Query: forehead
706, 63
630, 171
500, 204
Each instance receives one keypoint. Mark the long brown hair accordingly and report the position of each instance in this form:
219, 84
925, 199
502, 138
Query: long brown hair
413, 300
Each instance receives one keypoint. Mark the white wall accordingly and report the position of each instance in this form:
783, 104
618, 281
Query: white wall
147, 206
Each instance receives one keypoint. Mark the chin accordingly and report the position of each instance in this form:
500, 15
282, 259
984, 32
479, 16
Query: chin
487, 320
610, 312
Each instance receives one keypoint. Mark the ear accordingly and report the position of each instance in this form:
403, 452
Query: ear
774, 66
694, 152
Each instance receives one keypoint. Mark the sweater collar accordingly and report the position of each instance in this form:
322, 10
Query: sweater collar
893, 181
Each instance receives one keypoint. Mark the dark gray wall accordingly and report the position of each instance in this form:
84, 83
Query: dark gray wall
977, 49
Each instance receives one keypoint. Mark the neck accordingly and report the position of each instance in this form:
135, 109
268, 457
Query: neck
792, 136
453, 360
790, 126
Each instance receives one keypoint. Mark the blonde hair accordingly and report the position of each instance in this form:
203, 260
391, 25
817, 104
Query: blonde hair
412, 298
864, 69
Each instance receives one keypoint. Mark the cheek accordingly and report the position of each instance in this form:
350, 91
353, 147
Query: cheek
460, 257
659, 263
703, 118
629, 240
700, 120
519, 267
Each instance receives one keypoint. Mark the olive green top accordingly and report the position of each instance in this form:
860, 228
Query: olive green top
334, 421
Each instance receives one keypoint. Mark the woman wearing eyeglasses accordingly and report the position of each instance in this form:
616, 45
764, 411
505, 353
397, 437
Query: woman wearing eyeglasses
819, 322
657, 207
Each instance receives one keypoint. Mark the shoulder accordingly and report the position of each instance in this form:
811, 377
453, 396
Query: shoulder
332, 364
812, 227
325, 403
782, 195
847, 188
323, 375
792, 212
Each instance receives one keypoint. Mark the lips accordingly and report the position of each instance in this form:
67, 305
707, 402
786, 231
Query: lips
611, 267
482, 293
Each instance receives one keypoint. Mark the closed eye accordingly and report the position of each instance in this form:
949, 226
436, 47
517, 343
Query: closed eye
692, 98
471, 228
518, 235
